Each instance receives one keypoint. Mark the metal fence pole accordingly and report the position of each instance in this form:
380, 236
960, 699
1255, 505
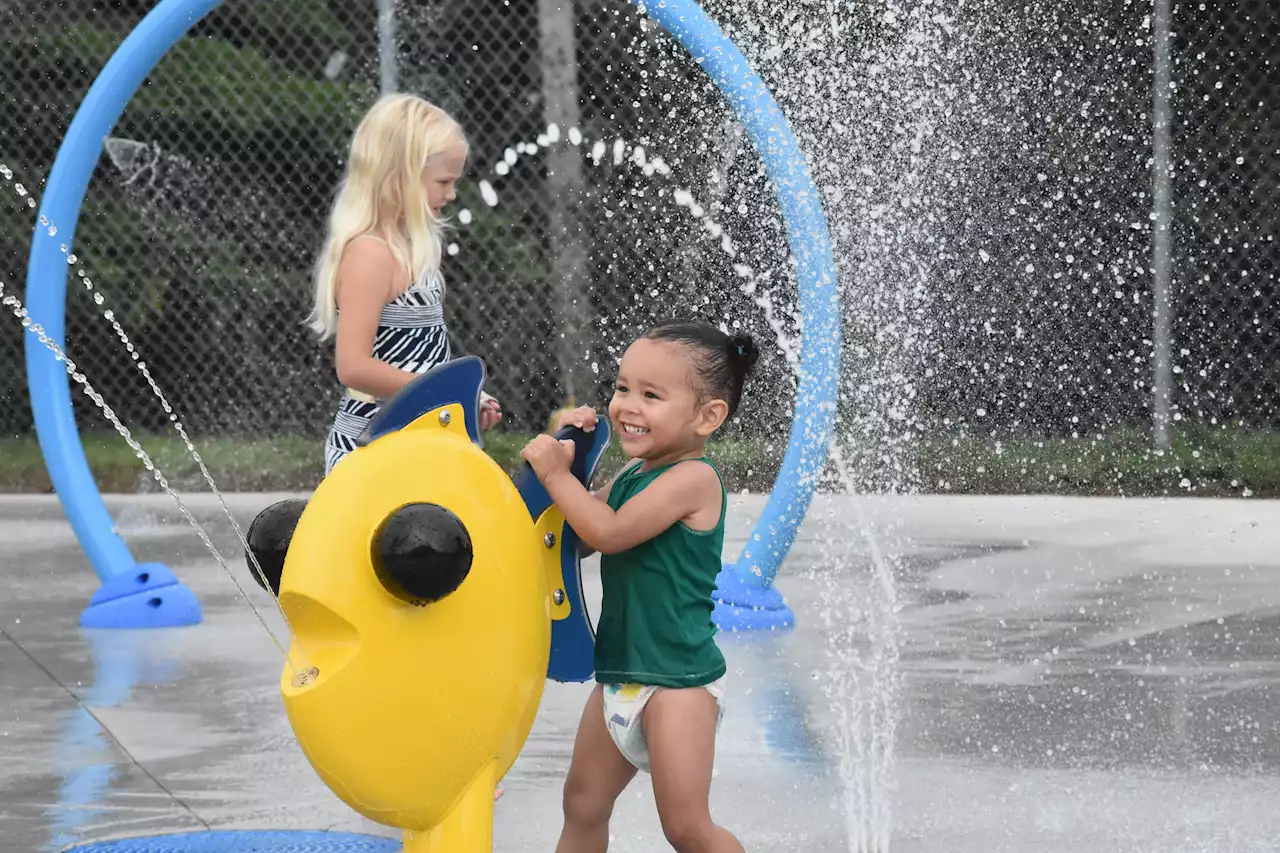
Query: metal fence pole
387, 65
556, 37
1162, 288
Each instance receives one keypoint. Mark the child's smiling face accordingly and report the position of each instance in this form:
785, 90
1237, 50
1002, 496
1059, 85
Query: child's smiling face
656, 408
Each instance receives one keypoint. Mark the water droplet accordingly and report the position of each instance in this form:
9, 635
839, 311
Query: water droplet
98, 298
488, 193
452, 249
464, 216
53, 230
44, 220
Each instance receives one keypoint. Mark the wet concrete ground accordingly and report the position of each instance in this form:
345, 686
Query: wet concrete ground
1077, 674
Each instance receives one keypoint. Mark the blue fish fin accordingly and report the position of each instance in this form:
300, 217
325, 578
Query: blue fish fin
459, 381
573, 638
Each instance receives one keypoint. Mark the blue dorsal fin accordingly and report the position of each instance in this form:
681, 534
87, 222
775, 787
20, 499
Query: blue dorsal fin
459, 381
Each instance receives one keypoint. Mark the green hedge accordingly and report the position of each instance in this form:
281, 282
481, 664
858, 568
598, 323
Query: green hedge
1205, 462
281, 464
1202, 463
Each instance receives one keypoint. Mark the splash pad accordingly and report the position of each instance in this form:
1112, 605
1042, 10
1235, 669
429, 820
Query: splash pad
136, 595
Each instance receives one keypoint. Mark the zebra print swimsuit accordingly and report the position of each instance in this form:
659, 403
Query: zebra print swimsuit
411, 336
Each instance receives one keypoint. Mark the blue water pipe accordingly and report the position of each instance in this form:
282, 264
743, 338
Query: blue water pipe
746, 598
131, 595
149, 595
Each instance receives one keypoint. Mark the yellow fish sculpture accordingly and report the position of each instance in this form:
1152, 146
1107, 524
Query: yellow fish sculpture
429, 596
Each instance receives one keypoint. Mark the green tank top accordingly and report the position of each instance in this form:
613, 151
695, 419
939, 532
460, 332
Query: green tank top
655, 623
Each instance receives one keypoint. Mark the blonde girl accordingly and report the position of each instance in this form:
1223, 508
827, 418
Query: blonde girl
378, 288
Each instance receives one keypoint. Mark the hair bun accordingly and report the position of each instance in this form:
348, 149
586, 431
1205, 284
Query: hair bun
743, 348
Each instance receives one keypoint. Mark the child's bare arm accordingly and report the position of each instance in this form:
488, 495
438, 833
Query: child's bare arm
602, 495
366, 281
676, 495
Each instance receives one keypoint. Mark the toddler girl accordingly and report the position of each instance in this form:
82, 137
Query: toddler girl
659, 526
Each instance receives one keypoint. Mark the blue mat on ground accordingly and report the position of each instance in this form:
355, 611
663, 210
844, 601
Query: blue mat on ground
246, 841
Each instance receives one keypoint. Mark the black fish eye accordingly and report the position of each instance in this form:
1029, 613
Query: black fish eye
421, 553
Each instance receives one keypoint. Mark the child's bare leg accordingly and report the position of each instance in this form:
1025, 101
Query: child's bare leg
597, 775
680, 729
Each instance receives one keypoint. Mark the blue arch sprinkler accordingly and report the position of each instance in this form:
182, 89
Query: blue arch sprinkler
135, 595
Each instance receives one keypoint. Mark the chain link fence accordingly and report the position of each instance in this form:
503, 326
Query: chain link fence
1227, 213
986, 168
203, 218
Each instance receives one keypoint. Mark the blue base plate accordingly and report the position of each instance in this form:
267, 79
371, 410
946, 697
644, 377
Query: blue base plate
744, 605
149, 596
246, 841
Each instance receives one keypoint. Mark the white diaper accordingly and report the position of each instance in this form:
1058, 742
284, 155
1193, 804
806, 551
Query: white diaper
623, 708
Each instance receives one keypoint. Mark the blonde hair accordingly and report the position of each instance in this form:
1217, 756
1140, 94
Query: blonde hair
381, 193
